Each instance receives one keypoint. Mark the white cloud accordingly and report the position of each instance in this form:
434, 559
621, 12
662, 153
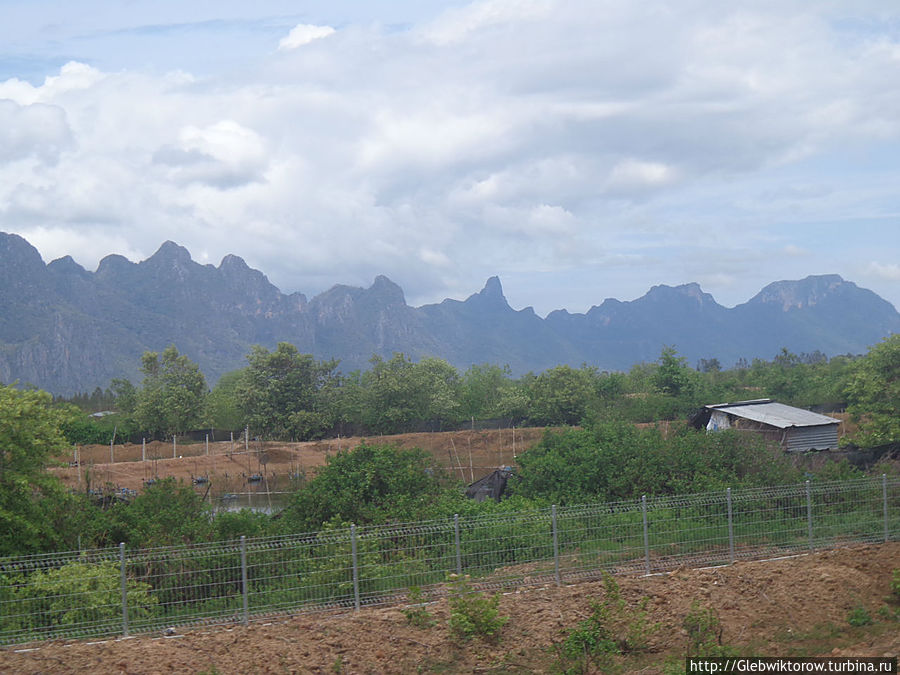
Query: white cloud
635, 175
457, 24
496, 135
794, 251
885, 271
225, 154
35, 130
303, 34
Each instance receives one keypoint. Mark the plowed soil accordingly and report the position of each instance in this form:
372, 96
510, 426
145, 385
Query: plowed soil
795, 606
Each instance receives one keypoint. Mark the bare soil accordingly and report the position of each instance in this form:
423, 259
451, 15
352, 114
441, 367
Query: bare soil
466, 455
795, 606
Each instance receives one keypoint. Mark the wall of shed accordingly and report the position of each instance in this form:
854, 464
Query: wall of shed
792, 439
802, 439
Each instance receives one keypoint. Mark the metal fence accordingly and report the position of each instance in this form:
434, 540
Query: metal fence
119, 591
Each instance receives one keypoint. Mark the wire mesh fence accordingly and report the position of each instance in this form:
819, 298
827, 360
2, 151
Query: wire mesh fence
118, 591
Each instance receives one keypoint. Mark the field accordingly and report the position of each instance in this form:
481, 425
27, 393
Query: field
796, 606
466, 455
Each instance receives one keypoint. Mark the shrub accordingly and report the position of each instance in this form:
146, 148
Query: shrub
79, 595
612, 628
704, 632
859, 616
416, 614
473, 613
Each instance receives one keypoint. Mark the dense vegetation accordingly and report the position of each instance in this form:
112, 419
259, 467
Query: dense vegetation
282, 394
285, 394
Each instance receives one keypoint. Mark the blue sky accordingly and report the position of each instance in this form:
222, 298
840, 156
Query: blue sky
579, 149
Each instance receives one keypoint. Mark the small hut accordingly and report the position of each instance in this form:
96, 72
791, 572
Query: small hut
491, 486
795, 429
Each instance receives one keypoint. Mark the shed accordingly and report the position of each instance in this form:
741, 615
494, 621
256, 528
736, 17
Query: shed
491, 486
795, 429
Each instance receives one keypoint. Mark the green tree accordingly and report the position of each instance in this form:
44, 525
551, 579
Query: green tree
873, 393
125, 395
283, 393
437, 386
673, 376
223, 407
173, 394
30, 435
393, 399
560, 395
482, 391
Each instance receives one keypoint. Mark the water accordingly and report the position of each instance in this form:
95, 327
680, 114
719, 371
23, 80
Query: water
261, 501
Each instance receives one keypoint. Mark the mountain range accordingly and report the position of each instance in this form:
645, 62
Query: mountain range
68, 330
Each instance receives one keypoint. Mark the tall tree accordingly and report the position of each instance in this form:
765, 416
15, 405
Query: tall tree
283, 394
29, 437
874, 392
561, 395
673, 376
392, 398
173, 394
482, 391
223, 403
439, 388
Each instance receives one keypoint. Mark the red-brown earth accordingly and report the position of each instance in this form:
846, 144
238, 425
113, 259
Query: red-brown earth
795, 606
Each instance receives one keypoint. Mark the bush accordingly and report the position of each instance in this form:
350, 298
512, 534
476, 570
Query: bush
612, 628
859, 616
472, 613
416, 614
77, 595
704, 632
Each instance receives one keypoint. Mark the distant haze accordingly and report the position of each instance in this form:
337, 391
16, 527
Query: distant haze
66, 329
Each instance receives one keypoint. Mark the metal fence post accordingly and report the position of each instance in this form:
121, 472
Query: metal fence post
555, 545
456, 543
244, 587
355, 568
730, 526
887, 534
809, 515
646, 535
124, 586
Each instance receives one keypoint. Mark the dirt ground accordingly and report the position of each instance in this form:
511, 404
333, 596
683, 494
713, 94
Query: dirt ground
795, 606
466, 455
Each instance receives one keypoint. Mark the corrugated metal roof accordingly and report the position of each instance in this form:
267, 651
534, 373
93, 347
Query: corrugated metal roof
774, 414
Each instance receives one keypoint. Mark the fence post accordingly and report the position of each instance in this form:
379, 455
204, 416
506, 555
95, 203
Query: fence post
124, 585
809, 515
887, 534
555, 545
244, 589
730, 526
456, 543
355, 567
646, 535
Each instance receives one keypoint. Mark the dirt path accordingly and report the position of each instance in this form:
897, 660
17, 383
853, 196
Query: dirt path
794, 606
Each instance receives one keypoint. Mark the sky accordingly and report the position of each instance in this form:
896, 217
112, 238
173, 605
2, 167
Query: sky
577, 149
